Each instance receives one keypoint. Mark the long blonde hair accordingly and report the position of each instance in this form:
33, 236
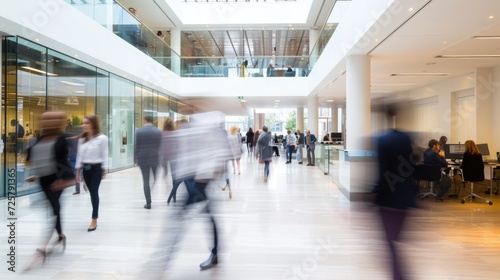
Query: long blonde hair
471, 147
233, 129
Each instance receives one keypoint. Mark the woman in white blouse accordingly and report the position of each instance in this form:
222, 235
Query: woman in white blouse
92, 158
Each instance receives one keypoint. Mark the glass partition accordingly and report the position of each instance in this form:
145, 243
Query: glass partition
257, 67
24, 107
36, 79
123, 23
121, 125
336, 15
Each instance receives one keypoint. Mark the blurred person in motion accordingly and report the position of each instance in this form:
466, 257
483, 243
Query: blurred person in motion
167, 151
395, 190
146, 154
265, 150
249, 140
92, 162
235, 144
73, 137
256, 143
300, 145
290, 145
48, 162
202, 150
311, 146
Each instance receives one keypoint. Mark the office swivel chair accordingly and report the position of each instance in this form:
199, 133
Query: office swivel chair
430, 173
474, 173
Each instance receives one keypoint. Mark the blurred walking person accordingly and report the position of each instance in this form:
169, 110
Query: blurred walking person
395, 191
146, 154
265, 145
202, 151
235, 144
48, 162
92, 162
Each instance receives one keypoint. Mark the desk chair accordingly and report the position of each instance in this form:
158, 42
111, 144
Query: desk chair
495, 177
473, 175
430, 173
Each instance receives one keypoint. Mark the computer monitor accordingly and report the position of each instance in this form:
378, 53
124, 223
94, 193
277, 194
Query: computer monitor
336, 136
483, 149
454, 151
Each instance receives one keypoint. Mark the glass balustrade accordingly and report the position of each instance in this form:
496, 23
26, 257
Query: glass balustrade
124, 24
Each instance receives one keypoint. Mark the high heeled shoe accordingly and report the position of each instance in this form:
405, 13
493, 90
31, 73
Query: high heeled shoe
224, 188
62, 239
230, 194
42, 253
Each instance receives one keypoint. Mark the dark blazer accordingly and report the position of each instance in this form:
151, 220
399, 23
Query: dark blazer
432, 158
64, 170
396, 168
473, 168
147, 145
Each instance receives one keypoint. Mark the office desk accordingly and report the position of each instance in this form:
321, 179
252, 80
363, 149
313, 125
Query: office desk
489, 171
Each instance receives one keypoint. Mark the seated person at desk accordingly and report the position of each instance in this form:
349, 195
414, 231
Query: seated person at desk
472, 160
434, 156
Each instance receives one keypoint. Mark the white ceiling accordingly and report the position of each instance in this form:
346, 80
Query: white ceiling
442, 27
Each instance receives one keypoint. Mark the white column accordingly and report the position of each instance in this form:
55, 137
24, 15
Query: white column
484, 108
357, 102
258, 121
175, 44
312, 115
300, 119
334, 112
313, 49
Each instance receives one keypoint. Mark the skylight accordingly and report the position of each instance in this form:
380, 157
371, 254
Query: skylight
242, 12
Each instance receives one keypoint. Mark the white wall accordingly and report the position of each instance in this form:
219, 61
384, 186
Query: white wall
57, 25
445, 108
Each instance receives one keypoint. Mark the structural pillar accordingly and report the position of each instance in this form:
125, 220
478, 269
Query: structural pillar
313, 48
312, 115
334, 113
357, 164
175, 45
258, 121
300, 119
358, 102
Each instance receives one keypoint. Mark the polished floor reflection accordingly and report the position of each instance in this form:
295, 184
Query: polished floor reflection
295, 226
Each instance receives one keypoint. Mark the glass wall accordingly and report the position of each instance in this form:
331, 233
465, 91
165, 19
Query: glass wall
121, 125
36, 79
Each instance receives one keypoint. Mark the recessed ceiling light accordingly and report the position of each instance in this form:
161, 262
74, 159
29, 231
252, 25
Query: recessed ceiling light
277, 100
410, 9
469, 56
420, 74
486, 37
329, 100
243, 100
490, 17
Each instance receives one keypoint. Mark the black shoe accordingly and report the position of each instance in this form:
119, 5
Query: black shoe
62, 240
147, 206
209, 263
92, 229
309, 164
300, 162
76, 193
287, 162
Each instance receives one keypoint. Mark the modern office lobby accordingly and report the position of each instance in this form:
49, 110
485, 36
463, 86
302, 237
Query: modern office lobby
351, 59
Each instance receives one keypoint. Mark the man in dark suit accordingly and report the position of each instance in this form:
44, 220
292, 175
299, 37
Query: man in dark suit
146, 154
395, 190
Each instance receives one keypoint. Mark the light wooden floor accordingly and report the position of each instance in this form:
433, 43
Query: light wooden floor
296, 226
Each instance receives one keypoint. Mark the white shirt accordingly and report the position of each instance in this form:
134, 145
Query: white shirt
93, 151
